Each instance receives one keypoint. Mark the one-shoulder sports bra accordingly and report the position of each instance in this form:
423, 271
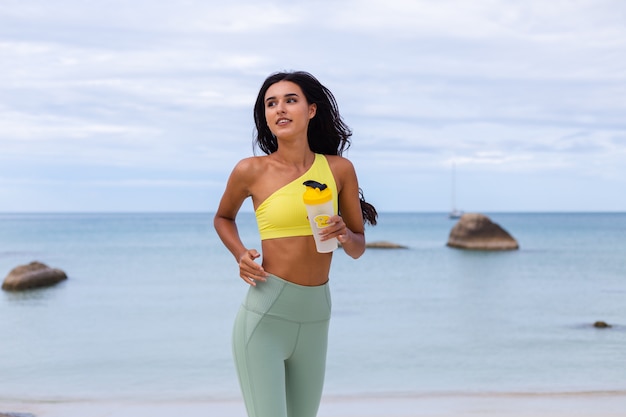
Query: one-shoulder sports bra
283, 213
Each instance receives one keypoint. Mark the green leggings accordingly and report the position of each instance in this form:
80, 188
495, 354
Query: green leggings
279, 344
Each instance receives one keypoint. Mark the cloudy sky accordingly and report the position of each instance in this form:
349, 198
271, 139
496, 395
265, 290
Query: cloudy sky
146, 105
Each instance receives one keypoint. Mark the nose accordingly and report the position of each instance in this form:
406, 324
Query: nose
280, 107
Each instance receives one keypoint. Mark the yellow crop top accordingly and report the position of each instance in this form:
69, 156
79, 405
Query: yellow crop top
283, 213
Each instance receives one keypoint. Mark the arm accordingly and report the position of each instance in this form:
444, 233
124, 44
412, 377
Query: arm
348, 228
237, 190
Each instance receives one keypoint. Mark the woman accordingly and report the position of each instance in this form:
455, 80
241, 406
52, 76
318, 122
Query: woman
280, 334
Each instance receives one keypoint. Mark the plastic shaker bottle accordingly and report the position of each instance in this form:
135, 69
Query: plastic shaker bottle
318, 199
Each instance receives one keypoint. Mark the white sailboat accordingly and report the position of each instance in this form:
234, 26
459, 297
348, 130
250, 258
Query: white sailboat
454, 213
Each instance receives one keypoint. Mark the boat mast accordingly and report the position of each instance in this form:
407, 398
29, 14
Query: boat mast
453, 197
454, 214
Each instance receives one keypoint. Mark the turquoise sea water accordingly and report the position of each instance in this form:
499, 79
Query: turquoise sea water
148, 308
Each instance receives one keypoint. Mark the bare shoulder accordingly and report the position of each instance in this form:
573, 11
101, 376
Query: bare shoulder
340, 165
250, 168
343, 171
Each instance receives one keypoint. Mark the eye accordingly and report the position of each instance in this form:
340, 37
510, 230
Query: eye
270, 103
292, 100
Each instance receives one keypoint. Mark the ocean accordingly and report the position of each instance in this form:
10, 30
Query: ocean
148, 309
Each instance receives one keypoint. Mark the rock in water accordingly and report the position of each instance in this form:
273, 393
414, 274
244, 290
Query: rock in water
33, 275
477, 231
384, 245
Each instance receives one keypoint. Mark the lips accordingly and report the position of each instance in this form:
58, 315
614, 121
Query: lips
282, 121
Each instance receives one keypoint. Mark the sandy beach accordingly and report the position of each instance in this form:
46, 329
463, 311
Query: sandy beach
597, 404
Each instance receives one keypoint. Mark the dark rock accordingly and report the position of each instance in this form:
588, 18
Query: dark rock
384, 245
33, 275
477, 231
601, 325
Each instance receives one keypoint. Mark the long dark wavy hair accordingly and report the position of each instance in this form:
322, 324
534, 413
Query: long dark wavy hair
327, 133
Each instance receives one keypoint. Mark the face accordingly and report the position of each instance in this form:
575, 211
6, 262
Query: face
286, 110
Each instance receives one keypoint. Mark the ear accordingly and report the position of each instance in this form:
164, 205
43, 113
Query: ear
312, 110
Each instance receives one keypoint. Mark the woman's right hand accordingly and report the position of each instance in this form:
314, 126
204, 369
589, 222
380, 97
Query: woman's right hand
249, 270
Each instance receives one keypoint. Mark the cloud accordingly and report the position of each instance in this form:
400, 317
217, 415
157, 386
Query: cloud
583, 23
495, 85
124, 183
21, 128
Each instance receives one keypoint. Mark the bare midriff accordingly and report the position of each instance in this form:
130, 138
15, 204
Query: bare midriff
295, 259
